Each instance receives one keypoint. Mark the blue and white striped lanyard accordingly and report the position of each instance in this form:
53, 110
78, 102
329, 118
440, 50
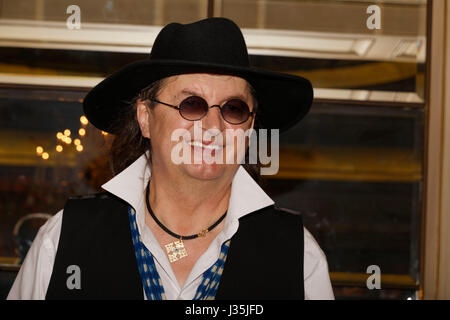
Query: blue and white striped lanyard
151, 280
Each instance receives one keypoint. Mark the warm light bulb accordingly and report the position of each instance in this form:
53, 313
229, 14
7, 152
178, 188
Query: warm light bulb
76, 142
104, 133
39, 150
68, 140
67, 132
59, 135
79, 148
59, 148
82, 132
84, 120
45, 156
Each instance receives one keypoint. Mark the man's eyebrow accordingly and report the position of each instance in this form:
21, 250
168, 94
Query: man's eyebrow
188, 92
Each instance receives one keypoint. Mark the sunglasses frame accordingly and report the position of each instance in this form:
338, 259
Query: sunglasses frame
250, 113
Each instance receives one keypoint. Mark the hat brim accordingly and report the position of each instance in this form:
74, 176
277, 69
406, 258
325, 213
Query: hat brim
283, 99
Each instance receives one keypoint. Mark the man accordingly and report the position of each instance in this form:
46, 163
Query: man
167, 229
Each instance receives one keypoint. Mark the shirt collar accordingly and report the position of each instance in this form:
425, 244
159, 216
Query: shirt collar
246, 195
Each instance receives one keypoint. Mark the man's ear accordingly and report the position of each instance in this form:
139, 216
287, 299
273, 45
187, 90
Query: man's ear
142, 111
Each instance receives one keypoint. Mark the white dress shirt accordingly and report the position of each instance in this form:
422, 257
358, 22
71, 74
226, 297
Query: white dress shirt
246, 196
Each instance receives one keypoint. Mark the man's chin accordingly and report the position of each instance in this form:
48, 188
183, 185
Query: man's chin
205, 171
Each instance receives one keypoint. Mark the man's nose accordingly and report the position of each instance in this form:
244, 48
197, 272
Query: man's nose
213, 119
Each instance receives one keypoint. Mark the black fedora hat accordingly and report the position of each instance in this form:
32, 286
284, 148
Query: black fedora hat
213, 45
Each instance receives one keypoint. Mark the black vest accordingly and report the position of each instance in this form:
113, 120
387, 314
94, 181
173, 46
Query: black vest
265, 258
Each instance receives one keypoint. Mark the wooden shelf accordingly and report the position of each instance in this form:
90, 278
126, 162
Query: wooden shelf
18, 148
360, 279
349, 164
313, 163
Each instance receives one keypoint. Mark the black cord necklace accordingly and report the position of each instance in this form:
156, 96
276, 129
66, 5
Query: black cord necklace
173, 234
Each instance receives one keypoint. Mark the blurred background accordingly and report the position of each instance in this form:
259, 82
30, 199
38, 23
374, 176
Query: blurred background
368, 168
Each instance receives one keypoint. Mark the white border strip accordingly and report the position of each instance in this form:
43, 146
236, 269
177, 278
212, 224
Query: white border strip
139, 39
45, 80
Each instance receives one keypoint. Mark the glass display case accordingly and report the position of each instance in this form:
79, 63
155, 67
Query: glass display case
354, 171
353, 168
48, 152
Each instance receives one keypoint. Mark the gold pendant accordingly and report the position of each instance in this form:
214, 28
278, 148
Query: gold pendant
176, 250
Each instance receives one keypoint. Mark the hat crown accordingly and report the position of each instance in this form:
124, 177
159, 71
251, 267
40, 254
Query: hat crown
212, 40
214, 45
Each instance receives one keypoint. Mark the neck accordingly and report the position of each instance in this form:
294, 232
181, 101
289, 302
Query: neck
187, 206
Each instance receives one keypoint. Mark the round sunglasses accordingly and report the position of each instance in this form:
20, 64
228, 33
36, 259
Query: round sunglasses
193, 108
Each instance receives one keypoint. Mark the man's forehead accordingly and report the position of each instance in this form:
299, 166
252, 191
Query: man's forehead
205, 78
200, 82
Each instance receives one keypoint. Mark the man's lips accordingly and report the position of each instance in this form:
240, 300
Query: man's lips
205, 144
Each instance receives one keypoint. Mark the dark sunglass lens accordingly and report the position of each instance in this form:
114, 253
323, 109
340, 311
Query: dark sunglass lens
235, 111
193, 108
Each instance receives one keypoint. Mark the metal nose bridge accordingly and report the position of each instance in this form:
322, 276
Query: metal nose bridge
220, 111
215, 105
218, 106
